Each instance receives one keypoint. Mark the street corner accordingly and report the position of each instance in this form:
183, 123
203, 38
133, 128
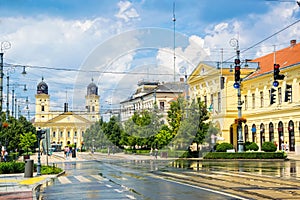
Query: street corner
34, 180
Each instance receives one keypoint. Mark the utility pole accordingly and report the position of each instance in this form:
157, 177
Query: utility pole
1, 80
237, 85
4, 45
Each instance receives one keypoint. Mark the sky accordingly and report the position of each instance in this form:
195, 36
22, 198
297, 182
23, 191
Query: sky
117, 43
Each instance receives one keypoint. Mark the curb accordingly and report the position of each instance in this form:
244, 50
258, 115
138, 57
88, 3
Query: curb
36, 189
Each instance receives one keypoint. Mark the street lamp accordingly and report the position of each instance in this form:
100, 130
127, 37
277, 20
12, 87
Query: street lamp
235, 43
4, 45
13, 96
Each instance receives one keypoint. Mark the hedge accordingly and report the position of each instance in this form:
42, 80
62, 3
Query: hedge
245, 155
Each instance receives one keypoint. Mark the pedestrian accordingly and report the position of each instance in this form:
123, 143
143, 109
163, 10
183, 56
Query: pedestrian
151, 152
5, 156
155, 153
282, 146
286, 147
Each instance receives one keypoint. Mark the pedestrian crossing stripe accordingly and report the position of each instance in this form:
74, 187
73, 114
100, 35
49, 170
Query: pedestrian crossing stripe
82, 179
64, 180
99, 178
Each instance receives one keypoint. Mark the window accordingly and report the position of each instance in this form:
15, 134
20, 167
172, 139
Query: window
93, 108
205, 101
219, 101
75, 133
279, 95
82, 133
261, 99
61, 134
53, 134
246, 102
68, 133
288, 93
43, 108
162, 106
253, 101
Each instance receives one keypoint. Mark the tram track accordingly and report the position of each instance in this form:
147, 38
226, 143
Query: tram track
249, 186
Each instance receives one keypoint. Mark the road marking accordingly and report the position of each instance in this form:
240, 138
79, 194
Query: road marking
82, 179
64, 180
130, 196
117, 190
99, 178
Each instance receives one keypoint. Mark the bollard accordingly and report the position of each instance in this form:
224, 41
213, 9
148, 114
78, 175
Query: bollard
28, 168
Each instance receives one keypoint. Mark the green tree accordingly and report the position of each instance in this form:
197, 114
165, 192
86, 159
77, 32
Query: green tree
175, 115
11, 130
189, 122
113, 131
142, 128
27, 141
95, 136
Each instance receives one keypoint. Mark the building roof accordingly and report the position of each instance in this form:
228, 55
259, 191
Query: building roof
285, 57
169, 87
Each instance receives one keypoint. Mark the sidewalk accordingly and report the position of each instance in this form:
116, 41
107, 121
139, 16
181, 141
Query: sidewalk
16, 186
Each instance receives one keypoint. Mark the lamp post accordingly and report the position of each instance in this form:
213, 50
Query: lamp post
4, 45
235, 43
13, 113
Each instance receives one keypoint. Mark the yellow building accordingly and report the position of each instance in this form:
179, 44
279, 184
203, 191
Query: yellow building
214, 86
278, 122
65, 127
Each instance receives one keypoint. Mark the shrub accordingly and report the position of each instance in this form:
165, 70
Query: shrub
268, 147
223, 147
246, 155
11, 167
252, 147
50, 170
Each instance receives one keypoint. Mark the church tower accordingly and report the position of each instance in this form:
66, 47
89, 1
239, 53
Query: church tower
92, 102
42, 102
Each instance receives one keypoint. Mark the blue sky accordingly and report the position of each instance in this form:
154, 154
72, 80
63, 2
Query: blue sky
50, 37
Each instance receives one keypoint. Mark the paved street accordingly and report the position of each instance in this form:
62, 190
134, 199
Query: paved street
263, 183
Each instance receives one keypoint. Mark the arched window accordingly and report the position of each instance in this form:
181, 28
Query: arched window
246, 133
271, 132
253, 130
262, 134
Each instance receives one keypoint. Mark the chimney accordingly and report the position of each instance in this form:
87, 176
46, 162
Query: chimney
293, 42
66, 107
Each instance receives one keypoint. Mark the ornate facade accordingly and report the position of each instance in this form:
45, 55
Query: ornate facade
265, 120
66, 127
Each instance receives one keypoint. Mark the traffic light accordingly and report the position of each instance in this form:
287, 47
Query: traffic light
237, 73
277, 76
237, 70
288, 93
272, 96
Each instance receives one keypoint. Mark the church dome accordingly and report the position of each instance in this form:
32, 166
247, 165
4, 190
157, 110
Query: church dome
42, 87
92, 89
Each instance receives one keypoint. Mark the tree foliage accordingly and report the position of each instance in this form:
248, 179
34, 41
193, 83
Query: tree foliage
12, 129
27, 141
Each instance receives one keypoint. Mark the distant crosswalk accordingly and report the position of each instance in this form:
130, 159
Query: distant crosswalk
91, 179
79, 178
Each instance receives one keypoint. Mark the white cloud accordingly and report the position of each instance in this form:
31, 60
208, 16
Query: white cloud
126, 11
